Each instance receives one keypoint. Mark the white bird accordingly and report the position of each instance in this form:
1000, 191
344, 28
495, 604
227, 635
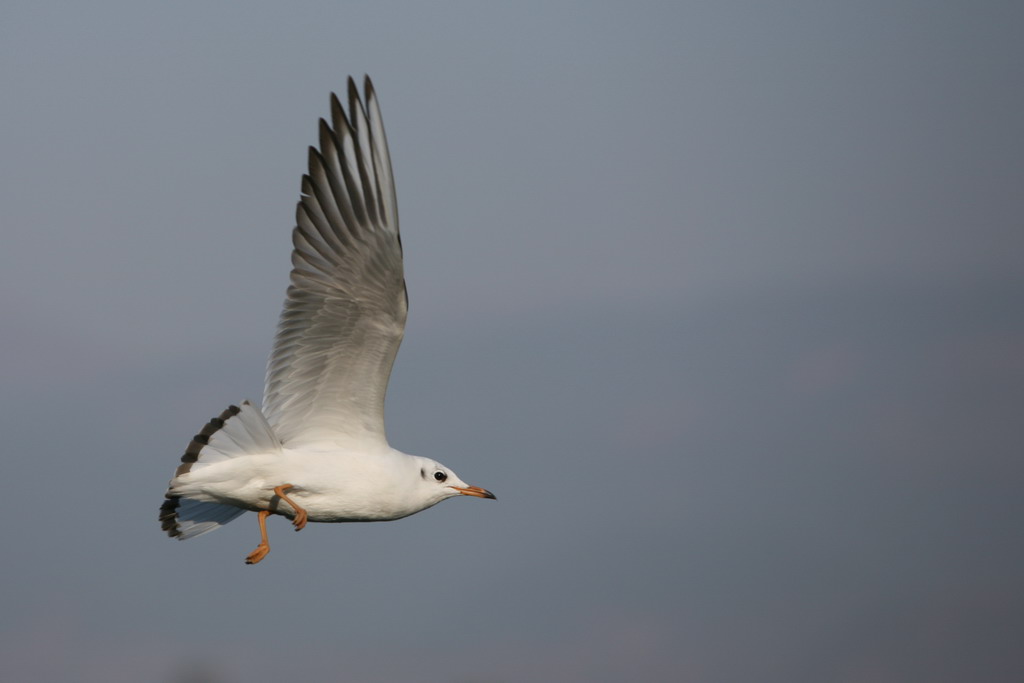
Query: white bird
317, 452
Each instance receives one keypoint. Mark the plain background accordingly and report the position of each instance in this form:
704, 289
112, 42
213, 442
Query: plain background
722, 299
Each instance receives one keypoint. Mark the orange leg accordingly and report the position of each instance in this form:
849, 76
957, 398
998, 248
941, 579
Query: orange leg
300, 523
300, 514
264, 547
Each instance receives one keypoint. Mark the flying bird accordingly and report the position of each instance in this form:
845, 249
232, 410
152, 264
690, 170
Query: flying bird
317, 451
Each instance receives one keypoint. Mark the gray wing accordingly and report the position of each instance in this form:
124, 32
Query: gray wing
344, 314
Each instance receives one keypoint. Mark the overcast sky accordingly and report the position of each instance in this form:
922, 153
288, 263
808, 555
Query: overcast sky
723, 300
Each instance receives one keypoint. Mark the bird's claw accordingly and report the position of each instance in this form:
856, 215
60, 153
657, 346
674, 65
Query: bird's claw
256, 555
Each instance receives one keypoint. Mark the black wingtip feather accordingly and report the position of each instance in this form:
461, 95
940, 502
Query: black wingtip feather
354, 100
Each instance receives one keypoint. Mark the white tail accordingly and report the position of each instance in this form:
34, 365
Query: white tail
238, 431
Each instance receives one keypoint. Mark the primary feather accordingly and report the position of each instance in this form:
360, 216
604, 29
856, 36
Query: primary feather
344, 314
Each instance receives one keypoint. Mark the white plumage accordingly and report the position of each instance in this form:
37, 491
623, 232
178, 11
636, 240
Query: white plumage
318, 450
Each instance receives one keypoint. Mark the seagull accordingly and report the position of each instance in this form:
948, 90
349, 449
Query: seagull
317, 451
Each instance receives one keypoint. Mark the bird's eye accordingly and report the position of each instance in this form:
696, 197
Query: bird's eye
440, 476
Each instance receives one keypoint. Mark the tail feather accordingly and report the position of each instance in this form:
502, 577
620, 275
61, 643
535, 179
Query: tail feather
184, 518
238, 431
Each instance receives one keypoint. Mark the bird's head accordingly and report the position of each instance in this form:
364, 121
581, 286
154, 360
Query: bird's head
440, 482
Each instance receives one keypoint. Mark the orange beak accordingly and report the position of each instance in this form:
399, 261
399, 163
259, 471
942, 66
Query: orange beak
475, 491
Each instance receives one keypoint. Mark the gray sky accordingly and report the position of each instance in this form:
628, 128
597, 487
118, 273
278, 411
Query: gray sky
723, 300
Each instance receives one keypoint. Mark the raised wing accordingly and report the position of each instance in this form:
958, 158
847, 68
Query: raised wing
344, 314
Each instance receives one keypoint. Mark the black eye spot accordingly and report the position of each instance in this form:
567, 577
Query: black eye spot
440, 476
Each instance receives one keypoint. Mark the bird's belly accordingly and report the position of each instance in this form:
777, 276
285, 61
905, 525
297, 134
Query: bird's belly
329, 489
342, 505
